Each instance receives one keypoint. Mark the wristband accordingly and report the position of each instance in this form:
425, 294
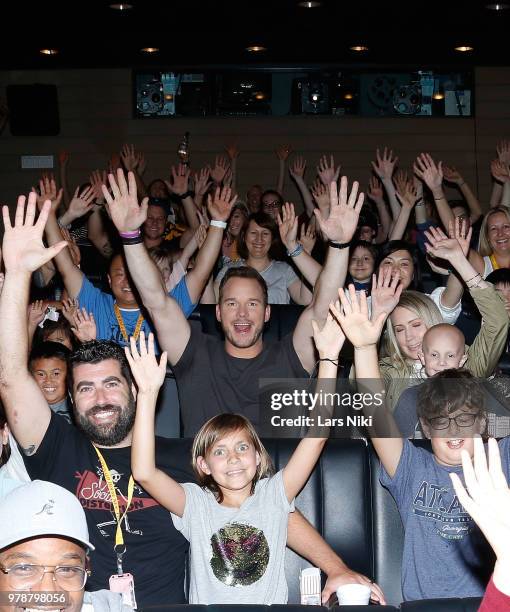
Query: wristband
134, 240
340, 245
132, 234
220, 224
297, 251
183, 196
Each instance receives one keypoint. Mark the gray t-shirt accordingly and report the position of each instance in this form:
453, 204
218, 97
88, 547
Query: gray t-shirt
237, 554
445, 554
278, 276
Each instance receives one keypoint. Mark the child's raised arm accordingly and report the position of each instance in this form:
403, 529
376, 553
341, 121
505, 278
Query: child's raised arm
149, 376
329, 340
364, 334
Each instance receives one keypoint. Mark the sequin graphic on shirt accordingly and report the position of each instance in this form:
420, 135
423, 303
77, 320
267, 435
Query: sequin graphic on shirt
240, 554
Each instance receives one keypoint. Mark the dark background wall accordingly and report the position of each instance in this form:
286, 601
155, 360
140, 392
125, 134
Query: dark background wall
96, 119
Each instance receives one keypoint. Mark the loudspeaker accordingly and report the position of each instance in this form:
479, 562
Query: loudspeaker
33, 110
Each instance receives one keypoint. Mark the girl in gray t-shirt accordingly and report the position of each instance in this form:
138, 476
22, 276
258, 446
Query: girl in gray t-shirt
236, 517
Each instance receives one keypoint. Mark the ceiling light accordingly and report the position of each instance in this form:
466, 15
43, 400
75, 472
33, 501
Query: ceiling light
348, 96
439, 95
122, 6
48, 51
149, 50
359, 48
498, 6
256, 49
464, 48
310, 4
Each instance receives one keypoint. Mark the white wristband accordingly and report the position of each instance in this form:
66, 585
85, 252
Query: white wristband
220, 224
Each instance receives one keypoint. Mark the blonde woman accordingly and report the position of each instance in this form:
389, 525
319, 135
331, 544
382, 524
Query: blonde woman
494, 249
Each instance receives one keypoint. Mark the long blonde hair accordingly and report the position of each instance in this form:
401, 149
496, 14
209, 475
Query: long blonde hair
213, 430
484, 246
425, 309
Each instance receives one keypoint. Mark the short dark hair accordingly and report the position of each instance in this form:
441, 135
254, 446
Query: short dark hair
243, 272
459, 204
264, 220
449, 391
499, 276
401, 245
49, 350
95, 352
369, 246
50, 327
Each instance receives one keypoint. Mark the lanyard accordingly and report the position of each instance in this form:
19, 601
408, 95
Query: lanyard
495, 265
119, 538
120, 321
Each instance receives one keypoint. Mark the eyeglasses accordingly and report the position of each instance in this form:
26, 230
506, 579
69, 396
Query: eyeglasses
467, 419
275, 204
67, 577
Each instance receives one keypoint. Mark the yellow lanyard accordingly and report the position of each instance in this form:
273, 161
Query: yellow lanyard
119, 538
495, 265
120, 321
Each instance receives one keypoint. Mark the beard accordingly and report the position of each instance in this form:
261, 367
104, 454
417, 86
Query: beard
110, 434
243, 342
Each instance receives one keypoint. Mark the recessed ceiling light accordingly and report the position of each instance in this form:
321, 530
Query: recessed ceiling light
464, 48
497, 6
310, 4
359, 48
121, 6
439, 95
256, 49
149, 50
48, 51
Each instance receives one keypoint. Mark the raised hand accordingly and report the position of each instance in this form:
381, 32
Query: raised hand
23, 248
458, 230
48, 191
81, 203
386, 291
36, 311
141, 163
283, 151
320, 194
74, 249
200, 235
401, 179
298, 167
344, 211
148, 374
488, 500
83, 325
375, 190
202, 182
359, 329
431, 174
288, 226
69, 308
219, 169
308, 236
97, 179
500, 171
442, 247
180, 180
220, 206
384, 165
232, 151
129, 157
327, 172
408, 196
123, 208
330, 339
503, 151
452, 175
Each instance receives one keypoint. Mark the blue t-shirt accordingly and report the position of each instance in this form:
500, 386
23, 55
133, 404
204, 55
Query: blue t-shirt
445, 554
504, 449
100, 304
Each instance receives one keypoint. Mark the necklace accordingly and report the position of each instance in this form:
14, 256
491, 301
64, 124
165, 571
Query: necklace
123, 330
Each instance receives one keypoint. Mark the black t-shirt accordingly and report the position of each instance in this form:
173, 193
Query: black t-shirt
155, 550
210, 381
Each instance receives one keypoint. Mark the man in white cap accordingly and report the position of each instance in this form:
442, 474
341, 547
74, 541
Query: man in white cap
44, 543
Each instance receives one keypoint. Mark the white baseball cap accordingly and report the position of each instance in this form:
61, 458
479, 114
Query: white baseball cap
41, 508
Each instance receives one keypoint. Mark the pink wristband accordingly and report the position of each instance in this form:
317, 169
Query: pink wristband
133, 234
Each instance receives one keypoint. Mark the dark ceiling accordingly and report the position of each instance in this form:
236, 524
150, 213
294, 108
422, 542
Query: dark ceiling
207, 32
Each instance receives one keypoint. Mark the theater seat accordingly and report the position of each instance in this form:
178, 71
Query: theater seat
470, 604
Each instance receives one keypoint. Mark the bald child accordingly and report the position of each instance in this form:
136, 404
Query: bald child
443, 348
